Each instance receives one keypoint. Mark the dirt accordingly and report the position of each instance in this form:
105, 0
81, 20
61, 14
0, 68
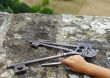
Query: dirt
96, 7
78, 7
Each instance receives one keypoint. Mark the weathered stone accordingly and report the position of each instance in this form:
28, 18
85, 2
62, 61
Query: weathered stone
18, 29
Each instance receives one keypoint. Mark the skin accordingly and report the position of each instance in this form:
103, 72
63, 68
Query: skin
77, 64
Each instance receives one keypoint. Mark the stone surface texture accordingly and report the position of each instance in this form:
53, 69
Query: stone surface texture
16, 30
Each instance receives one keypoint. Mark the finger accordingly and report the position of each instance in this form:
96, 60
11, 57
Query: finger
62, 58
74, 57
67, 62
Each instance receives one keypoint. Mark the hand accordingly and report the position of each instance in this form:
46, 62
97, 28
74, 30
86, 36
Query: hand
76, 63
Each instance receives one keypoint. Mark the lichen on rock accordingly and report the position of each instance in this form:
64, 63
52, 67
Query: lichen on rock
18, 29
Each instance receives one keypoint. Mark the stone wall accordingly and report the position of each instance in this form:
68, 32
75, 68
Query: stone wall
18, 29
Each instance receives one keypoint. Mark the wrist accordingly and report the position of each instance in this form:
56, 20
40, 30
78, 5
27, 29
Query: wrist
87, 69
91, 69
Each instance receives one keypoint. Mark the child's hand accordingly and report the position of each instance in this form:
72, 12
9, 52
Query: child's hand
76, 63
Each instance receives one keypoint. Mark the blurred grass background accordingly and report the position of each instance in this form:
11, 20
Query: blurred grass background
77, 7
